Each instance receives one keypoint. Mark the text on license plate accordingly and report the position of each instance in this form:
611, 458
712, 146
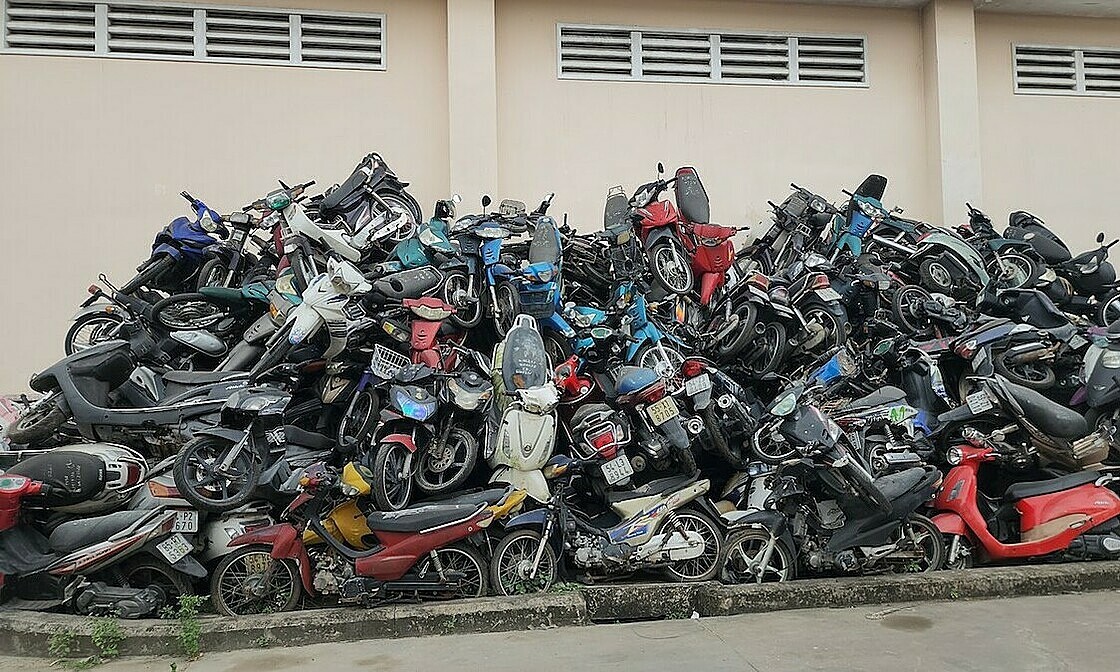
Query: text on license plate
698, 384
617, 470
174, 548
828, 294
978, 402
186, 521
662, 411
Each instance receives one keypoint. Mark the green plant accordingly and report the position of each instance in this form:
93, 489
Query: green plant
190, 629
61, 644
107, 635
262, 642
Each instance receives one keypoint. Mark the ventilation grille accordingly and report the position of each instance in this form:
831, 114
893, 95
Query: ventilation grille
1067, 70
619, 53
192, 32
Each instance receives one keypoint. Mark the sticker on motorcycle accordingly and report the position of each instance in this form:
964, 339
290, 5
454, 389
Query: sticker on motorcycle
698, 384
662, 411
979, 402
1077, 341
617, 470
186, 521
174, 548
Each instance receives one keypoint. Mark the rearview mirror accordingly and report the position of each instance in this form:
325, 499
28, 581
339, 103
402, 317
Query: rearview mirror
660, 168
1100, 237
239, 218
486, 201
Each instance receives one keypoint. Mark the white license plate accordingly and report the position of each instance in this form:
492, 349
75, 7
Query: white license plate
617, 470
662, 411
1077, 342
174, 548
979, 402
698, 384
828, 294
186, 521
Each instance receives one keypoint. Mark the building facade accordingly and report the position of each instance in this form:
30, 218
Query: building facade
108, 109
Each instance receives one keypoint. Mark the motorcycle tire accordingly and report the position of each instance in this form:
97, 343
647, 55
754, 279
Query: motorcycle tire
513, 555
933, 557
148, 272
705, 567
233, 573
40, 422
740, 336
744, 548
1108, 310
404, 200
666, 360
396, 493
104, 326
508, 306
1012, 271
468, 310
181, 312
141, 571
464, 442
722, 443
770, 346
212, 274
199, 456
275, 354
936, 276
863, 483
662, 257
903, 306
557, 348
359, 420
1038, 376
835, 326
460, 557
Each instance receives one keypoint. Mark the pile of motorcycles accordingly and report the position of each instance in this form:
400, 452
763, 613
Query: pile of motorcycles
331, 400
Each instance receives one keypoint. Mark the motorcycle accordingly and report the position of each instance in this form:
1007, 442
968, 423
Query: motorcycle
657, 223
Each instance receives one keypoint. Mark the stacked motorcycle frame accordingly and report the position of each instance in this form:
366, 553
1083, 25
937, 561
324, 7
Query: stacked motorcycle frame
331, 400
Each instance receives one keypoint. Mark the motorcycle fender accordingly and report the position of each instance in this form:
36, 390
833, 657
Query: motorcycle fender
235, 435
674, 431
534, 519
191, 567
950, 523
709, 283
261, 535
403, 439
305, 322
94, 309
659, 234
532, 482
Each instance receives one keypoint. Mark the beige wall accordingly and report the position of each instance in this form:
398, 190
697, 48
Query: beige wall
94, 152
748, 142
1055, 156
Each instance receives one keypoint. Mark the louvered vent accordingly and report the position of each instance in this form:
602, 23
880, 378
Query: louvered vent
654, 54
148, 30
239, 35
1045, 69
829, 60
1102, 72
668, 55
50, 26
341, 40
592, 51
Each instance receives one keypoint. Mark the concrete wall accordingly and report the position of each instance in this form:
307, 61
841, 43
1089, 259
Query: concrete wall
94, 152
1055, 156
748, 142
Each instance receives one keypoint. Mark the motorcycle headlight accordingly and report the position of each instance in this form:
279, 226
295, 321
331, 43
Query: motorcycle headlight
784, 405
954, 456
418, 409
540, 400
545, 274
1110, 359
278, 200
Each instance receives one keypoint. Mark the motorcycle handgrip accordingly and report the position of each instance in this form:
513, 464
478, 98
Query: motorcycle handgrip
186, 195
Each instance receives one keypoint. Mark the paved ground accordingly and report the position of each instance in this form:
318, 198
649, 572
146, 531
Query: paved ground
1069, 632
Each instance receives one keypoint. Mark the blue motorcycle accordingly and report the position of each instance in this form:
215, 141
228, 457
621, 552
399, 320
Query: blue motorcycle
179, 250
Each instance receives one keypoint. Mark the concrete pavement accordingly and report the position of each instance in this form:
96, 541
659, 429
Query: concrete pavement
1061, 632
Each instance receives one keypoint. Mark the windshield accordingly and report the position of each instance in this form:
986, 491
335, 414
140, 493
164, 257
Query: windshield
524, 362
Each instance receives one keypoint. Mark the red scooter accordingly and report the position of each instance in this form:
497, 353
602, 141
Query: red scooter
1073, 516
428, 317
415, 551
658, 226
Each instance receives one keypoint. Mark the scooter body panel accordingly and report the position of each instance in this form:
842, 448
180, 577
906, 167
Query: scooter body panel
402, 550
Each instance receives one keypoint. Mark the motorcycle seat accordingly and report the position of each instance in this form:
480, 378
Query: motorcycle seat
71, 536
420, 518
659, 486
335, 197
1019, 491
224, 294
488, 497
900, 483
74, 476
306, 439
199, 377
883, 395
1050, 416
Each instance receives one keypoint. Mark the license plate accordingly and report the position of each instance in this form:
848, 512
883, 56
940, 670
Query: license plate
186, 521
828, 294
617, 470
979, 402
662, 411
174, 548
1077, 342
698, 384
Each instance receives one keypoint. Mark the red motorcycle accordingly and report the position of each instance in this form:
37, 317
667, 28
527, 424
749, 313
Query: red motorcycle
428, 317
658, 226
1073, 516
418, 551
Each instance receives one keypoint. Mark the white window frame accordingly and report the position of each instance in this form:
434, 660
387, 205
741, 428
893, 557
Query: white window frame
716, 35
1079, 90
101, 49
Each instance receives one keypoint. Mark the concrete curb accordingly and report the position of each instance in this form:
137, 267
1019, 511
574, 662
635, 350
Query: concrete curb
29, 633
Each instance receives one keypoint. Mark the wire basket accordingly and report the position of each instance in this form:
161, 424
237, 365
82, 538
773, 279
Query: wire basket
385, 363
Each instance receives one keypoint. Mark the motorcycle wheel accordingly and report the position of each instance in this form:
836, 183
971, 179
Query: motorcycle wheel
513, 561
189, 311
40, 422
1011, 271
197, 482
670, 268
392, 485
212, 274
705, 567
1108, 311
508, 305
143, 571
148, 272
930, 543
459, 557
558, 349
666, 361
936, 276
441, 474
359, 419
769, 350
90, 330
250, 581
468, 309
835, 332
1035, 375
740, 336
404, 201
906, 305
964, 559
734, 457
743, 552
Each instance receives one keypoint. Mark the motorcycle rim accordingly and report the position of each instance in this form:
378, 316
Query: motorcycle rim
201, 484
834, 331
188, 311
672, 269
513, 562
962, 558
1035, 375
921, 533
907, 302
393, 486
464, 560
451, 468
743, 557
936, 275
91, 330
1012, 271
468, 309
768, 350
706, 566
251, 581
508, 305
667, 362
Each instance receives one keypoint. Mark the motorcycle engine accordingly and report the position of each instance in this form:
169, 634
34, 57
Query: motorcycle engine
587, 552
330, 571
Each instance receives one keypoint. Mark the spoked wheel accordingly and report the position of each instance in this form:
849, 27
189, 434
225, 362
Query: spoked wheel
923, 547
468, 304
908, 306
670, 268
706, 565
958, 552
1011, 271
744, 555
189, 311
90, 330
459, 559
767, 350
392, 483
445, 468
666, 361
250, 581
1109, 309
359, 419
507, 306
1037, 375
402, 202
203, 482
40, 421
511, 569
212, 274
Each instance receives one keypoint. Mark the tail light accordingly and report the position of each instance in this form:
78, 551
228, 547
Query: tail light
652, 393
759, 280
603, 440
161, 491
692, 368
820, 281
